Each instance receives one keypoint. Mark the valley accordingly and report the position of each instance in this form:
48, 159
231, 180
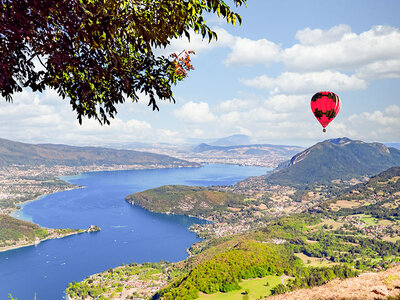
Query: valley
334, 230
299, 235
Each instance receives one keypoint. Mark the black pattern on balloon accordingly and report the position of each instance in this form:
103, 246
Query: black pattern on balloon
318, 113
330, 114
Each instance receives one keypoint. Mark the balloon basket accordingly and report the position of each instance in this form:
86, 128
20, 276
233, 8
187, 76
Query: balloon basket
324, 130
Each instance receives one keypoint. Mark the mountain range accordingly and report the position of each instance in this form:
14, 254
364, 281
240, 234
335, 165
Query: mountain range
254, 149
16, 153
333, 159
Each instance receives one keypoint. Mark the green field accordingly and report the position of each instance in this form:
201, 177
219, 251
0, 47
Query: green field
369, 220
257, 289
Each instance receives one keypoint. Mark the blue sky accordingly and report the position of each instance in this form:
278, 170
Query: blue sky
257, 79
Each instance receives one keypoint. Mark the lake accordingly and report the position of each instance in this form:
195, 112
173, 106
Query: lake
128, 233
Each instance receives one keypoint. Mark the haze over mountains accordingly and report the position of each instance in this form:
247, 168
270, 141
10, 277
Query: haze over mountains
232, 140
340, 158
239, 147
16, 153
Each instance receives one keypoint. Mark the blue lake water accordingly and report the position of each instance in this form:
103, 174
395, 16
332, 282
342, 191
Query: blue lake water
128, 233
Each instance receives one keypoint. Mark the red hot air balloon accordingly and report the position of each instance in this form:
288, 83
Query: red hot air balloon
325, 107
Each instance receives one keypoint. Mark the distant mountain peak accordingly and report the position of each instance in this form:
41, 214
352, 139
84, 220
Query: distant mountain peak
342, 140
232, 140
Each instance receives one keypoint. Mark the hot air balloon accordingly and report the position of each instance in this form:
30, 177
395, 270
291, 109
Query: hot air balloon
325, 107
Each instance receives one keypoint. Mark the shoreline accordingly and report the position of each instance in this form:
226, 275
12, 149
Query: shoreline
35, 243
81, 172
12, 213
22, 204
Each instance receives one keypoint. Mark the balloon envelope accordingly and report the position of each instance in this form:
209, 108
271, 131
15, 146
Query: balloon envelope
325, 107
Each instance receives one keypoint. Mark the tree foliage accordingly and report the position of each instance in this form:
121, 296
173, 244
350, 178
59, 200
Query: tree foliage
99, 52
224, 271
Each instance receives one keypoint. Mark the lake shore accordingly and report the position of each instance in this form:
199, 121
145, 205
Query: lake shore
101, 202
51, 237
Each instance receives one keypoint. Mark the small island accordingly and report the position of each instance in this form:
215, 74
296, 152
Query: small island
16, 233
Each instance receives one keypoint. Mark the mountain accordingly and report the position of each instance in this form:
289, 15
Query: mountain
255, 149
16, 153
233, 140
336, 159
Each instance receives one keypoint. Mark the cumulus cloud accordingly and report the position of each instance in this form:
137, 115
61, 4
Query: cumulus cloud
288, 103
193, 112
374, 53
380, 69
312, 37
46, 118
381, 125
246, 52
340, 49
298, 83
237, 104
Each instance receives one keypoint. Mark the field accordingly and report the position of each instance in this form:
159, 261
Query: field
329, 222
345, 204
256, 289
314, 261
369, 220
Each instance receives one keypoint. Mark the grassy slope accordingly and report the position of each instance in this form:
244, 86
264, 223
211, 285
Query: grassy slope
257, 288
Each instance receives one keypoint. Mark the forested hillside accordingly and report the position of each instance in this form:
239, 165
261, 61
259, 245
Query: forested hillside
185, 200
13, 230
341, 159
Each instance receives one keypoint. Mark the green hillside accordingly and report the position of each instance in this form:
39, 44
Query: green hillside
13, 230
377, 199
184, 200
18, 233
336, 159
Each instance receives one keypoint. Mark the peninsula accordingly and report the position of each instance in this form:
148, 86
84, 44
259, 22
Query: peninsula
16, 233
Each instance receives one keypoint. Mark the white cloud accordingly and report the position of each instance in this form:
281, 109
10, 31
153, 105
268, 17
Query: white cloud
46, 118
237, 104
340, 49
380, 69
382, 125
246, 52
192, 112
138, 125
371, 54
314, 37
288, 103
299, 83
